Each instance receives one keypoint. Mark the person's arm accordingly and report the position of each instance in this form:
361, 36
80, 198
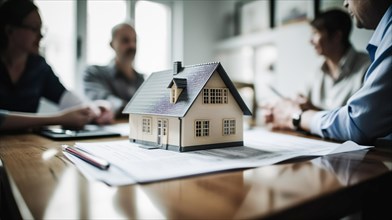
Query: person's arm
305, 103
96, 87
368, 113
69, 99
101, 108
280, 114
73, 117
306, 119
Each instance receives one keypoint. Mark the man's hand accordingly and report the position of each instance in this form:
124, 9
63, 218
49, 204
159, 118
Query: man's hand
305, 103
76, 117
103, 111
279, 115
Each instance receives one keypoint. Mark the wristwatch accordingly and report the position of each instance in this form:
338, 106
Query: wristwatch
296, 120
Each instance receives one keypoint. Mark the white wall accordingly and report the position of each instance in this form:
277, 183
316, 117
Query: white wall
200, 31
203, 27
297, 60
199, 25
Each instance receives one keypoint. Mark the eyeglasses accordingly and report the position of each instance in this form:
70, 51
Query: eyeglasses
37, 30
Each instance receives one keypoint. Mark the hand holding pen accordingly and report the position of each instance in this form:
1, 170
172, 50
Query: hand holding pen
276, 92
301, 100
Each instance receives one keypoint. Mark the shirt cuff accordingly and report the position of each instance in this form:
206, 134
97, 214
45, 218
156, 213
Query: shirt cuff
117, 104
69, 99
315, 124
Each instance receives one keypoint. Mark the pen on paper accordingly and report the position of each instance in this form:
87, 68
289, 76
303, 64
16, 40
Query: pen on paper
91, 159
275, 91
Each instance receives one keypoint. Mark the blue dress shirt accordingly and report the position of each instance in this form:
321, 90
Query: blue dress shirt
368, 113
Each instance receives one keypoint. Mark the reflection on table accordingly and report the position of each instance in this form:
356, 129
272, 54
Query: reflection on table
44, 185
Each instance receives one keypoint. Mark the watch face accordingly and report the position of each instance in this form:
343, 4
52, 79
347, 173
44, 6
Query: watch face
296, 120
296, 116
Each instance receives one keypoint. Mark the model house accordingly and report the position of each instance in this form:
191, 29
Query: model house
187, 108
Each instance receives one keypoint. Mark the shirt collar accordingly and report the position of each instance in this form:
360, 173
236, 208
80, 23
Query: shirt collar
115, 73
345, 63
379, 32
112, 68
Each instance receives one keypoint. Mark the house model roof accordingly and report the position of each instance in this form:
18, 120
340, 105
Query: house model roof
153, 97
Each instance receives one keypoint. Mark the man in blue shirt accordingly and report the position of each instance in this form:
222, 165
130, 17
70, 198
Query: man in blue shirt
367, 115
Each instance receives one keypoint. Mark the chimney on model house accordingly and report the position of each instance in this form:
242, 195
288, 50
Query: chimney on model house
177, 67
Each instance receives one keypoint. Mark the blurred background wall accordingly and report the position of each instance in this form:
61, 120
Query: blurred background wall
258, 42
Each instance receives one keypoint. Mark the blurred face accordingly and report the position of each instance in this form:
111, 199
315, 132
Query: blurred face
27, 36
360, 10
321, 42
124, 43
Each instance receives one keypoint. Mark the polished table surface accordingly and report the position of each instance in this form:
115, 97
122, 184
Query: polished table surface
38, 182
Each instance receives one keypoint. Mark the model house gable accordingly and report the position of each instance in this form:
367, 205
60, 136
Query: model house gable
187, 108
153, 98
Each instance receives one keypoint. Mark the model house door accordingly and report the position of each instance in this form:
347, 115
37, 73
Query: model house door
162, 132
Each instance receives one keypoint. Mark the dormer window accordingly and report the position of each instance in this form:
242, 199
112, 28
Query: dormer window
174, 94
177, 85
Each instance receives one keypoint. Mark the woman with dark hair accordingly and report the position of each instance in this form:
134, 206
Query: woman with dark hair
25, 77
341, 74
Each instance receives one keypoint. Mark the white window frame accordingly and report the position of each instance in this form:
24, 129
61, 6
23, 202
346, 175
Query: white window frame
215, 96
229, 127
202, 128
146, 125
81, 35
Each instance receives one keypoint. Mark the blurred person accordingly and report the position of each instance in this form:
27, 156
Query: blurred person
25, 77
367, 115
342, 72
118, 81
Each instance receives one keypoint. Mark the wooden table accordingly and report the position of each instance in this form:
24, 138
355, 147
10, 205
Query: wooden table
37, 182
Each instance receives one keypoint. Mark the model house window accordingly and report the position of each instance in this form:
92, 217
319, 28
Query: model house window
173, 95
224, 96
177, 85
228, 126
202, 128
164, 127
215, 96
146, 125
206, 96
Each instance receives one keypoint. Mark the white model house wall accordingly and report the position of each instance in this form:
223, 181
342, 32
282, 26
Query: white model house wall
215, 113
136, 126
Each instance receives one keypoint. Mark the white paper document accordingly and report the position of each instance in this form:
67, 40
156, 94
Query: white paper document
113, 176
263, 139
121, 128
130, 163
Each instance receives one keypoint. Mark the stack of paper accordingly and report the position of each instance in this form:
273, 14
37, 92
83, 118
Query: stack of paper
131, 164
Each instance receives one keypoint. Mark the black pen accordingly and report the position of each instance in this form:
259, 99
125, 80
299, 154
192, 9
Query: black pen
91, 159
275, 91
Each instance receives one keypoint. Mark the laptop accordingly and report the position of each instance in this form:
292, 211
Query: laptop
88, 131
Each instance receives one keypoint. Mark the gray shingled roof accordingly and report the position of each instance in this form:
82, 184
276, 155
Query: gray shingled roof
153, 97
180, 83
